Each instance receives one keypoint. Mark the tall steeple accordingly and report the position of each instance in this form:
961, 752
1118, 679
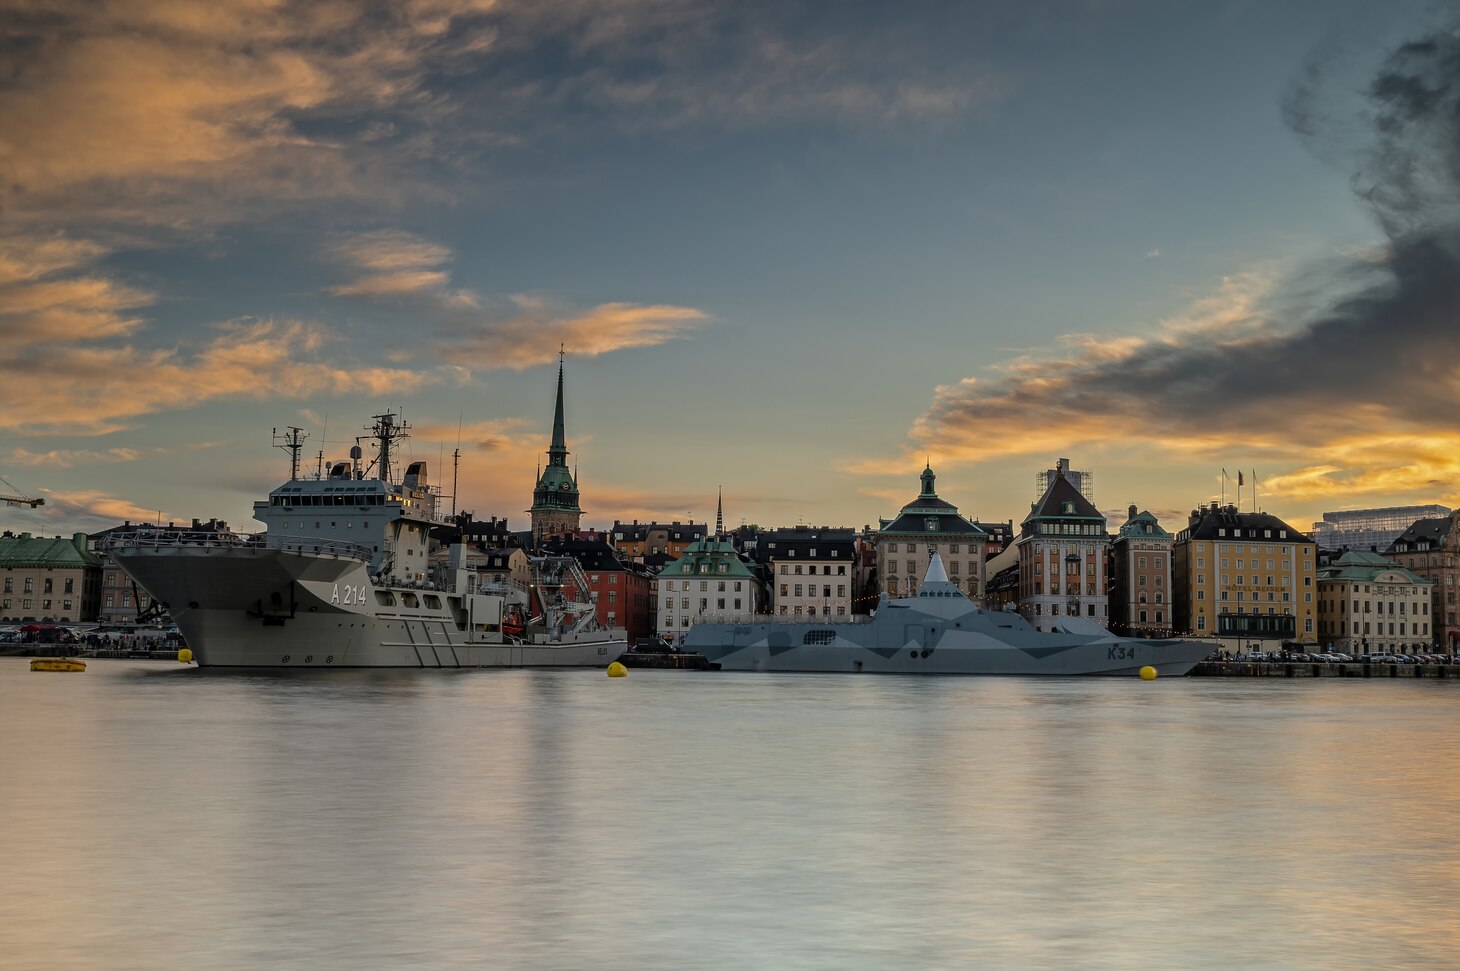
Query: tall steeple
558, 451
555, 508
720, 513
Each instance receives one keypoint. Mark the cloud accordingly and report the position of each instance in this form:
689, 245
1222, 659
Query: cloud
533, 335
527, 332
70, 458
96, 389
94, 510
1303, 369
154, 112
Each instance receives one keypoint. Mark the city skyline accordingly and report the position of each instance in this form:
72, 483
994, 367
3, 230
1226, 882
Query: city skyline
788, 255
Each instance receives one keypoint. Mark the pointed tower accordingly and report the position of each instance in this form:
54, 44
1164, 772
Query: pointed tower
555, 507
720, 513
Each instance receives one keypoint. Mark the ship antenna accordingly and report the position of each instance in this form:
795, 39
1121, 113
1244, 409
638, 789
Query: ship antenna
291, 442
455, 464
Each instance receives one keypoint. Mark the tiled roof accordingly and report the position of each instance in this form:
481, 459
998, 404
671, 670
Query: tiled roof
1224, 523
1061, 495
1431, 531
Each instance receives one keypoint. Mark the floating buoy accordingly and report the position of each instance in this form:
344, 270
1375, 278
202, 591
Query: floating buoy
185, 655
617, 670
58, 664
1148, 673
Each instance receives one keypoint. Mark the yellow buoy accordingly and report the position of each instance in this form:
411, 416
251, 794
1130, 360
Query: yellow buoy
58, 664
617, 670
185, 655
1148, 673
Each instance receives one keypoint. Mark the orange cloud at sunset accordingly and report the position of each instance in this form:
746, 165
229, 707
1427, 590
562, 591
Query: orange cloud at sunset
533, 335
105, 386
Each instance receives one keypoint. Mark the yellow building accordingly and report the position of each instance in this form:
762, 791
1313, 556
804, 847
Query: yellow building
48, 579
1246, 578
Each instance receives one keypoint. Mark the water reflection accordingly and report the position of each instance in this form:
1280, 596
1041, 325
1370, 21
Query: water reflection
166, 818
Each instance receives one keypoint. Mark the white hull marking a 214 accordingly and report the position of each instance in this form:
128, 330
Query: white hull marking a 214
353, 595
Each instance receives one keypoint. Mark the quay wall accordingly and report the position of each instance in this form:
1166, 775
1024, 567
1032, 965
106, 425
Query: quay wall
1321, 669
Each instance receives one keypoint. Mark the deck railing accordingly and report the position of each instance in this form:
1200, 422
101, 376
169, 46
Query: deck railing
233, 542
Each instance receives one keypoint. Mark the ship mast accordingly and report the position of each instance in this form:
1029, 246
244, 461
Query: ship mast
387, 432
292, 442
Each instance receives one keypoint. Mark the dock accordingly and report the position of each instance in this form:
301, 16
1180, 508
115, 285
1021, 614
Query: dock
1321, 669
682, 660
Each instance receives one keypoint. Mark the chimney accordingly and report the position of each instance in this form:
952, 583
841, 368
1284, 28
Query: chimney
1132, 514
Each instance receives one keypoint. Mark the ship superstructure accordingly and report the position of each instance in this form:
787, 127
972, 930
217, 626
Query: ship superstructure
938, 631
342, 576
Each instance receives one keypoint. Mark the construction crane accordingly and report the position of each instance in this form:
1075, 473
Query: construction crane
14, 497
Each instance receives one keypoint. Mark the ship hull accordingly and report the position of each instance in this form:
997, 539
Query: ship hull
271, 608
865, 648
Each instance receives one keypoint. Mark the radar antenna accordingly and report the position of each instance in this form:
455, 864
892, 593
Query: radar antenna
291, 442
387, 432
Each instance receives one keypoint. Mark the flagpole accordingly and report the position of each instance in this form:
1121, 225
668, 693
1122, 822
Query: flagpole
1224, 488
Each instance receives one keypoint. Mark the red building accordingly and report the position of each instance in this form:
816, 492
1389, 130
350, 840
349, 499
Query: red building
623, 591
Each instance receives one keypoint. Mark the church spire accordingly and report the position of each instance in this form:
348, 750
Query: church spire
720, 513
558, 451
555, 502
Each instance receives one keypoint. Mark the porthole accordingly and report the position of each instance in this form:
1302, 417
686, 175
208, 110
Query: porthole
309, 659
330, 659
284, 660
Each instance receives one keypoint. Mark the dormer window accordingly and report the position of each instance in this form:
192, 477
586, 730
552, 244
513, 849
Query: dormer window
1069, 508
931, 523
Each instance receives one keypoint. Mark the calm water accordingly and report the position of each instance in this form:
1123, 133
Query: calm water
159, 817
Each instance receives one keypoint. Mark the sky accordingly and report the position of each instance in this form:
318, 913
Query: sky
791, 250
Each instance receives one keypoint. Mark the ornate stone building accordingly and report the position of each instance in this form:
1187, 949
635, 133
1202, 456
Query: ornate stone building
555, 508
1367, 604
925, 526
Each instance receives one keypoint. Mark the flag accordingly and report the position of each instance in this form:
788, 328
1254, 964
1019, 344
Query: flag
1239, 476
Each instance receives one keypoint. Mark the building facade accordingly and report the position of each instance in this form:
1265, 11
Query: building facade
928, 525
1140, 577
1064, 554
655, 542
1367, 605
1430, 548
623, 592
556, 510
813, 571
1247, 578
708, 582
54, 580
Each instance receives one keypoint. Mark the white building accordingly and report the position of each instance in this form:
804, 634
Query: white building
813, 571
708, 582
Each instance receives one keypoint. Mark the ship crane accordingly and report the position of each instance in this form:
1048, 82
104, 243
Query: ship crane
14, 497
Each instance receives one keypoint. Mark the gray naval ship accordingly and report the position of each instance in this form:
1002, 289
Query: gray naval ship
344, 577
939, 631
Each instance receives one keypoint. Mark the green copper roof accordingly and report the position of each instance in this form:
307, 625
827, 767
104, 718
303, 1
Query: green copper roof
28, 551
712, 553
1361, 566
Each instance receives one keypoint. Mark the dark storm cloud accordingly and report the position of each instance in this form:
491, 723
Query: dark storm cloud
1303, 366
